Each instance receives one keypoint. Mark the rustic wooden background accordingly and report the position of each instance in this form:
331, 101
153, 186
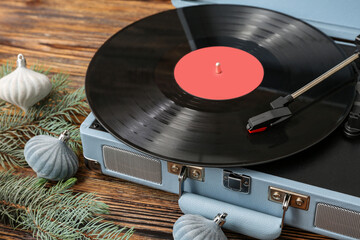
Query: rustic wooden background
64, 35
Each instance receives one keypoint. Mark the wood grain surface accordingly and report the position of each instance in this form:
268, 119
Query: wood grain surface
64, 35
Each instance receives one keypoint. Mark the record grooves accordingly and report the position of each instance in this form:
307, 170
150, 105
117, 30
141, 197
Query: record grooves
132, 91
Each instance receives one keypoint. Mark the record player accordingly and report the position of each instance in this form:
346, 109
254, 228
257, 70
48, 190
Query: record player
173, 99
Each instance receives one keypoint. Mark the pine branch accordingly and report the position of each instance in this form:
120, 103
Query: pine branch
6, 69
11, 153
59, 111
56, 212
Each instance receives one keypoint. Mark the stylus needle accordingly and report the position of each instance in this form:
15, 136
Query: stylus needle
280, 112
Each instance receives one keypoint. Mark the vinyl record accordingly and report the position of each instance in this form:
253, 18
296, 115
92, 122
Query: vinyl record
151, 86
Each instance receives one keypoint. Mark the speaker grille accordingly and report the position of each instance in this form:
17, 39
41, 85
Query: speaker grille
132, 164
338, 220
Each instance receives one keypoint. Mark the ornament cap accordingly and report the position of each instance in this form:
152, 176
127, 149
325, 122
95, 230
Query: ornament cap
64, 136
21, 61
220, 219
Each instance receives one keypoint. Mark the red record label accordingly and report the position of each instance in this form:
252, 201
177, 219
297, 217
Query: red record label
218, 73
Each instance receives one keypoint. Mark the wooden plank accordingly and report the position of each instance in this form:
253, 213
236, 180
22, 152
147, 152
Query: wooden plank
64, 35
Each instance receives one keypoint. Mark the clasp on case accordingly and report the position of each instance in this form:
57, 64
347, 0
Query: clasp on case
236, 182
285, 206
297, 200
182, 177
195, 173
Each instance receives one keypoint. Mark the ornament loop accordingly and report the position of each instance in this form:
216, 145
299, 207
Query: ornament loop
65, 136
21, 61
220, 219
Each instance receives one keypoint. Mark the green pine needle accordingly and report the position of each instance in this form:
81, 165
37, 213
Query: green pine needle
59, 111
55, 212
26, 203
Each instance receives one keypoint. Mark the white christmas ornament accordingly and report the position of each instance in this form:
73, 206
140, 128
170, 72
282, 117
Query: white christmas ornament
24, 87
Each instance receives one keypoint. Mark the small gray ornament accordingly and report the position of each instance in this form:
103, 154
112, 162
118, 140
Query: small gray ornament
51, 158
195, 227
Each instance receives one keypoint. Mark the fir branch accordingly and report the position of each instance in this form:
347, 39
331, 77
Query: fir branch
6, 69
59, 82
56, 212
59, 111
40, 68
10, 152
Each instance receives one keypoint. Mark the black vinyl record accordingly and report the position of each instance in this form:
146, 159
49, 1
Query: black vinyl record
131, 88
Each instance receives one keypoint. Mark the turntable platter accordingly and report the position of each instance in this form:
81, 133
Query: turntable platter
134, 89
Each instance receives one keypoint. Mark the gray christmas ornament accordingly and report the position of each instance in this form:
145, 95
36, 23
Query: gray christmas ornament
51, 158
195, 227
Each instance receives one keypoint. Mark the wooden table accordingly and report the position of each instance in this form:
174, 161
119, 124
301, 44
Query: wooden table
64, 35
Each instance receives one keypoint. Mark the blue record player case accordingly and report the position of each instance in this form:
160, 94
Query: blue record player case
335, 18
321, 186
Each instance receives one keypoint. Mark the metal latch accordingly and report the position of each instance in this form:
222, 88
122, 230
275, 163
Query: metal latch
297, 200
195, 173
184, 172
236, 182
288, 199
182, 177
